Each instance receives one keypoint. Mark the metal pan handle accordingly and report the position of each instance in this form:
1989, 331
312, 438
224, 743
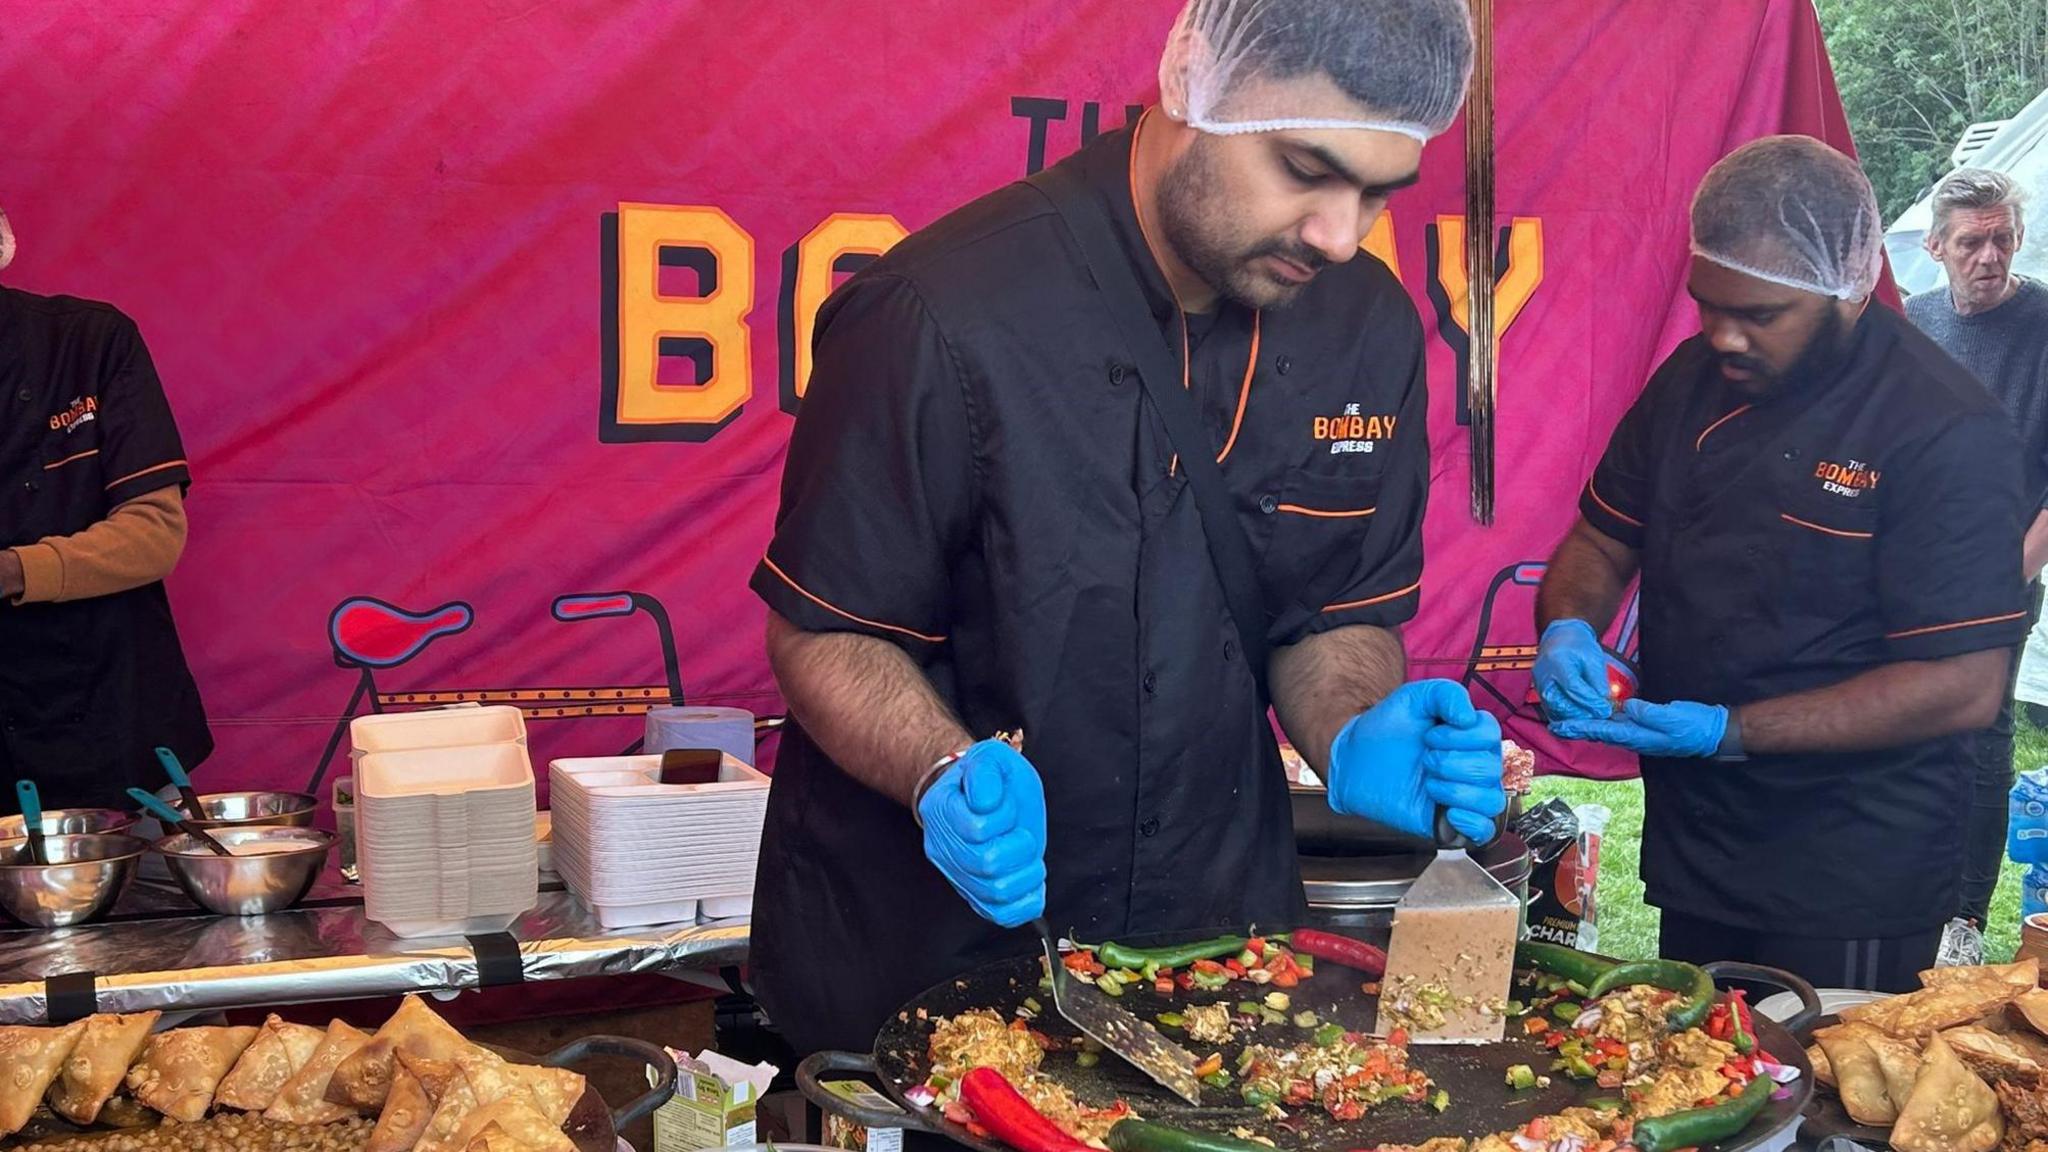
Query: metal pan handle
655, 1058
807, 1082
1809, 1000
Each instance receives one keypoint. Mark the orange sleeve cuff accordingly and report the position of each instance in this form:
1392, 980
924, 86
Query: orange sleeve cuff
42, 573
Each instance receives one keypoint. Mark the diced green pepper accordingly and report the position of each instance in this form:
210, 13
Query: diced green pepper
1172, 1019
1248, 958
1110, 987
1217, 1079
1210, 981
1306, 963
1150, 972
1329, 1035
1565, 1010
1248, 1007
1088, 1059
1032, 1006
1441, 1100
1306, 1020
1272, 1017
1521, 1076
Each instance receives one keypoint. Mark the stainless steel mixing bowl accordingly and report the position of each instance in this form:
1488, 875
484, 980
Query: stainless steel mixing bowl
86, 875
274, 867
72, 822
241, 809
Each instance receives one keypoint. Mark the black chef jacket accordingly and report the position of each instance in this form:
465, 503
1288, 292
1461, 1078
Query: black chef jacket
976, 477
1788, 544
87, 687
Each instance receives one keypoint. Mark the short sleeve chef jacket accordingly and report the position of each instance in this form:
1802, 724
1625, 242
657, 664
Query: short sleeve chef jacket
87, 687
1789, 544
976, 478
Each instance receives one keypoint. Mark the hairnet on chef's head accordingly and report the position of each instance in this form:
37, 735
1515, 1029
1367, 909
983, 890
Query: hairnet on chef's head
1792, 211
1395, 65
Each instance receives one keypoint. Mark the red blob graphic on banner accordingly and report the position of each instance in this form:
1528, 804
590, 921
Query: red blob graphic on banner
368, 632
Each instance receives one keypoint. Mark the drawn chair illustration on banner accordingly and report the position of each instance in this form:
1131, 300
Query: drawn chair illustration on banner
1502, 671
372, 636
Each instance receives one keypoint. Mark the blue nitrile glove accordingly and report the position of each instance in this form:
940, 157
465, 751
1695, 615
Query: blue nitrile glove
984, 827
1571, 672
1422, 746
1680, 728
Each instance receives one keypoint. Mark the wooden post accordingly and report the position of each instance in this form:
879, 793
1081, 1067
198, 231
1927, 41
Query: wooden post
1482, 370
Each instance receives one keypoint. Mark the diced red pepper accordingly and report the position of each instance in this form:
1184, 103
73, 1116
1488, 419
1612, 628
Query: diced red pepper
1235, 969
1285, 979
1398, 1037
1185, 981
1078, 961
1163, 986
1256, 946
1555, 1040
1209, 966
1535, 1025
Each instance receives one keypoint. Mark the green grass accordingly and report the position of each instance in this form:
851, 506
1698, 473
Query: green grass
1628, 927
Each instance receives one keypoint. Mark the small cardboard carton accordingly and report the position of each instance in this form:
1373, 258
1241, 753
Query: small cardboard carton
714, 1103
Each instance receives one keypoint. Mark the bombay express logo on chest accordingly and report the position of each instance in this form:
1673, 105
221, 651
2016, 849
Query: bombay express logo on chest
1353, 430
83, 410
1850, 478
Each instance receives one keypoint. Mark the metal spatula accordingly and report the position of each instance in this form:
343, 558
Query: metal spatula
1135, 1041
1451, 960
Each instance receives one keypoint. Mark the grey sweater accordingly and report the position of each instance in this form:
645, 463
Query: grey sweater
2007, 349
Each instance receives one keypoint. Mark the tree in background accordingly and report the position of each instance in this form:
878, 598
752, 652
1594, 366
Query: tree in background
1915, 73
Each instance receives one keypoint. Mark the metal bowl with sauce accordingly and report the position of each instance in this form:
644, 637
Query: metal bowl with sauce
72, 822
272, 867
85, 876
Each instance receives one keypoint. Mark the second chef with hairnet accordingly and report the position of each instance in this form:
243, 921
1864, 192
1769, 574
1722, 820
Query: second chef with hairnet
1114, 458
1826, 514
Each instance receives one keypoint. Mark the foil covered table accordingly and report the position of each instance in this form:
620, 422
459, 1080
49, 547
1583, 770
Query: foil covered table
157, 951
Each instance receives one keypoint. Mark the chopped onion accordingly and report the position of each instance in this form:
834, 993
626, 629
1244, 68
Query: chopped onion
920, 1095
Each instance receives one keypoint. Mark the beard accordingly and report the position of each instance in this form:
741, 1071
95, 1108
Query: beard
1195, 219
1826, 351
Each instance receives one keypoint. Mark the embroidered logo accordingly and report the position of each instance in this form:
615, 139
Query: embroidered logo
82, 410
1852, 479
1352, 431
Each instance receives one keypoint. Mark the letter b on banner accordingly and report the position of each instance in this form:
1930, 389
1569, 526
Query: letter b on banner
678, 285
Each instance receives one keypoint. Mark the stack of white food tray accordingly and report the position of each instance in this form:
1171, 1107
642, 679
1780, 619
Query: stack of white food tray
445, 829
638, 851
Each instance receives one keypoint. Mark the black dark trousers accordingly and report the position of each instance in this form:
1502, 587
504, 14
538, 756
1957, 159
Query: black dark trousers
1888, 964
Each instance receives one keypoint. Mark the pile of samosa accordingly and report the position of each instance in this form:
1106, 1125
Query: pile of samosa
1961, 1065
429, 1088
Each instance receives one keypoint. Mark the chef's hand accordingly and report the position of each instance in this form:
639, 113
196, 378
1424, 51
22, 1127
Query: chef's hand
984, 827
1424, 745
1680, 728
1571, 672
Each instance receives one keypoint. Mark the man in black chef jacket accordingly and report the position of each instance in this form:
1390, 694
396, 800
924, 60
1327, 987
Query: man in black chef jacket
984, 528
1826, 513
92, 519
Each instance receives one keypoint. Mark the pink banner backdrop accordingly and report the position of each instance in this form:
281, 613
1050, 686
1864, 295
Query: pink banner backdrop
478, 318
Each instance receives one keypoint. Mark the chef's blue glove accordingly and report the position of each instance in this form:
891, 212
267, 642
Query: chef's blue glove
1422, 746
1680, 728
984, 828
1571, 672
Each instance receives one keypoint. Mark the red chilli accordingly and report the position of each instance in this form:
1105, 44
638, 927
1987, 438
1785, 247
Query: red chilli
1005, 1112
1340, 950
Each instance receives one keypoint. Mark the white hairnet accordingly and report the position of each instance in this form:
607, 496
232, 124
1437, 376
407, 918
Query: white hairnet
1792, 211
1395, 65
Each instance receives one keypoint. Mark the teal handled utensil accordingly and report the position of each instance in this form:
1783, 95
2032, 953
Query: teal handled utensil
176, 772
172, 819
32, 820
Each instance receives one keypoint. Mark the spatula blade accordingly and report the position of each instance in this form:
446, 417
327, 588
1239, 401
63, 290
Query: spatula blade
1132, 1040
1451, 958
